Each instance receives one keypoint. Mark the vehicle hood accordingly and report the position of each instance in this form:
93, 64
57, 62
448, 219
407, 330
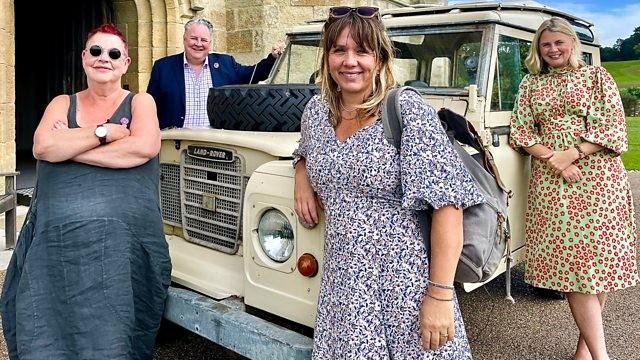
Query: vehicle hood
276, 144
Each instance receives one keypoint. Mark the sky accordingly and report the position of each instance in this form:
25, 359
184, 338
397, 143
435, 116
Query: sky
612, 19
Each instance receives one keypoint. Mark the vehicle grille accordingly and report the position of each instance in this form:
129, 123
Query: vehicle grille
182, 200
170, 194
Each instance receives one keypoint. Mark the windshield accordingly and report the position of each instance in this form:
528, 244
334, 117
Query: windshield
427, 61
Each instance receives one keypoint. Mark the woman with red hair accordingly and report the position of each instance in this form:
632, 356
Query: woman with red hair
89, 276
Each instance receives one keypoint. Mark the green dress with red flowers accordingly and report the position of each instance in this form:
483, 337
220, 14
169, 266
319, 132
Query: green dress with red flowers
580, 237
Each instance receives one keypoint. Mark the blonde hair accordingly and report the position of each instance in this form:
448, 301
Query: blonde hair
369, 34
534, 61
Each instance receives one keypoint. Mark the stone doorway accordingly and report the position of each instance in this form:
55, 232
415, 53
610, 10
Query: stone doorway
48, 64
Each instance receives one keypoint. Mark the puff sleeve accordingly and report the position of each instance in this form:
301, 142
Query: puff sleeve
605, 120
432, 173
303, 144
523, 130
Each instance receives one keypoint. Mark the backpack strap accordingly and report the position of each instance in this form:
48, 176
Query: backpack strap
391, 123
464, 131
392, 115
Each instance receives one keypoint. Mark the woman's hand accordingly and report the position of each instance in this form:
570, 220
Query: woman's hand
116, 132
306, 200
560, 160
436, 320
571, 174
59, 124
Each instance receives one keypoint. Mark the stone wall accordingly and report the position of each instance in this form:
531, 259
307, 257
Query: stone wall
253, 26
247, 29
127, 22
7, 90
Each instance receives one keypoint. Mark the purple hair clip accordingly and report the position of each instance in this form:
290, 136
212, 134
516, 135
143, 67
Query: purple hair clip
124, 121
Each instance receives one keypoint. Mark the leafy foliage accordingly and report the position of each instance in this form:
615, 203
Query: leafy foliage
629, 102
624, 49
511, 69
635, 91
631, 158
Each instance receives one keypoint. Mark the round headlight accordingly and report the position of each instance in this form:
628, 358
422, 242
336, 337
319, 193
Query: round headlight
275, 235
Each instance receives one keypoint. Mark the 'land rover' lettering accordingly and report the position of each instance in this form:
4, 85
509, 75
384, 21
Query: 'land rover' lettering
210, 153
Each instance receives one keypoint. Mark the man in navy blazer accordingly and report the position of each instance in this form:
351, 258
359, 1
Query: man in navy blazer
180, 83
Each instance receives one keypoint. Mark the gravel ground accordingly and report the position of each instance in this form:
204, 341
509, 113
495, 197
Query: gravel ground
535, 327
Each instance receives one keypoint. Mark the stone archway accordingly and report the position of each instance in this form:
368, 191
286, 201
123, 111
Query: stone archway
153, 29
7, 88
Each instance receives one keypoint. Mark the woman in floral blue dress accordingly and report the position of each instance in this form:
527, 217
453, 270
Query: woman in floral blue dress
380, 297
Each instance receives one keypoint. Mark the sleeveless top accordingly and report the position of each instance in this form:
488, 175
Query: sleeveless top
121, 116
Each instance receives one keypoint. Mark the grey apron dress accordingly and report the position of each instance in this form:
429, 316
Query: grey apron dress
89, 276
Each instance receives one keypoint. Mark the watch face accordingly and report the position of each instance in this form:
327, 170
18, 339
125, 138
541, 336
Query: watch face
101, 131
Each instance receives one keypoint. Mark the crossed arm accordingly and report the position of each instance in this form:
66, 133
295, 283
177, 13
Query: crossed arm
53, 141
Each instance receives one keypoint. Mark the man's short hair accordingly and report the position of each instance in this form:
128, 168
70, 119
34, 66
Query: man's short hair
199, 21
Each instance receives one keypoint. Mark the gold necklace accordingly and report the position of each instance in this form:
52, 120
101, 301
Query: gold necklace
343, 108
348, 118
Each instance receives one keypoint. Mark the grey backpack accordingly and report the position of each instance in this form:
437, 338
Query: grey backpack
486, 225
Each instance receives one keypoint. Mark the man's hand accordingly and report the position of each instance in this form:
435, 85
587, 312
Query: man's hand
277, 49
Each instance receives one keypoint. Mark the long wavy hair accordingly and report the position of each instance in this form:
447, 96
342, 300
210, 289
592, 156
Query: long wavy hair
369, 34
534, 61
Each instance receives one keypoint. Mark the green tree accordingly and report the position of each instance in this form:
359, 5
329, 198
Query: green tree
609, 54
627, 46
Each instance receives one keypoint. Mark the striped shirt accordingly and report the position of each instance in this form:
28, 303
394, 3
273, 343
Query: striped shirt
196, 92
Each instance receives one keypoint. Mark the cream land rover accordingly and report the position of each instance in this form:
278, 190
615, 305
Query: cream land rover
242, 261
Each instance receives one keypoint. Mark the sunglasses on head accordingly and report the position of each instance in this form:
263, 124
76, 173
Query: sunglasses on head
96, 51
365, 12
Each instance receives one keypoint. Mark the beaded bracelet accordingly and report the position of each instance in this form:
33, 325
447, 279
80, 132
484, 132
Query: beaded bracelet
437, 298
440, 286
581, 153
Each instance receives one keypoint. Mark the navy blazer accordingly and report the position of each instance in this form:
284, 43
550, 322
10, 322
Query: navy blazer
167, 82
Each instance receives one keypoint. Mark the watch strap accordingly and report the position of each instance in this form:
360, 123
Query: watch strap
102, 139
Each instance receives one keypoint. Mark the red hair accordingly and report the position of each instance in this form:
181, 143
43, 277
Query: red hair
109, 28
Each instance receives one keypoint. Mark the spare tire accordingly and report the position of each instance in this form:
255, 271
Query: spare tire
272, 108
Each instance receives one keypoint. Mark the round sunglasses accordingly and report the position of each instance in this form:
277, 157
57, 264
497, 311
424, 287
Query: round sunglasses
96, 51
365, 12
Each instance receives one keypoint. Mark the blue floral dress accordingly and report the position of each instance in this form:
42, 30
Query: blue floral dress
375, 266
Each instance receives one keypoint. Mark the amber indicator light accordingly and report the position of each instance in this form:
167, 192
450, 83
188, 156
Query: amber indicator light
308, 265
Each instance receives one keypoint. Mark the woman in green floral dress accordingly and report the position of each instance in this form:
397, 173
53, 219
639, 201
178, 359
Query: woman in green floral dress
580, 231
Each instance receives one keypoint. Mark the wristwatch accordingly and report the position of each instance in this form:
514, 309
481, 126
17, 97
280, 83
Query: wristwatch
101, 133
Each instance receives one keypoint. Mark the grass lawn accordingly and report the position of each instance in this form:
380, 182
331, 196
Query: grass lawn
626, 73
631, 158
